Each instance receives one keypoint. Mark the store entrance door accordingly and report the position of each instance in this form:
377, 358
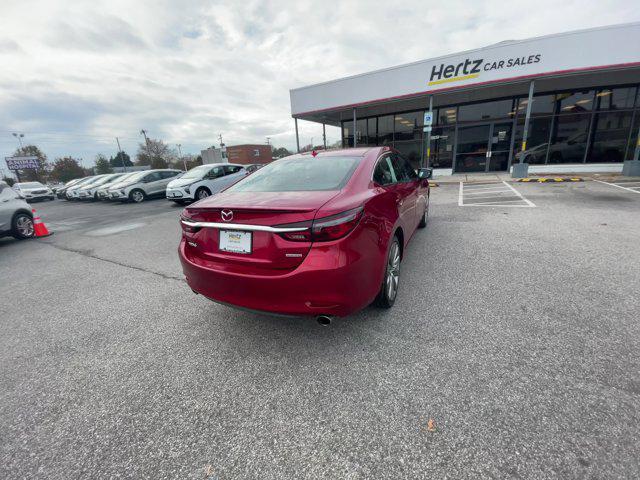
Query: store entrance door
483, 148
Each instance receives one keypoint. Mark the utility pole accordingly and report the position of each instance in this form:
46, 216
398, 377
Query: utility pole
268, 140
124, 167
184, 162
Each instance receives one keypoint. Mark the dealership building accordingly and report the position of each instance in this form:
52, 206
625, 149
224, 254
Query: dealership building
570, 98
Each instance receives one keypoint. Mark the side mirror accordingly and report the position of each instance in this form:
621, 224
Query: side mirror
425, 173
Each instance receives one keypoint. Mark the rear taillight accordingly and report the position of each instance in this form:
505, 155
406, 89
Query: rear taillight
325, 229
184, 217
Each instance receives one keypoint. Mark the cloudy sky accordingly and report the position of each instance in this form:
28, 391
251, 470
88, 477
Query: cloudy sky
76, 74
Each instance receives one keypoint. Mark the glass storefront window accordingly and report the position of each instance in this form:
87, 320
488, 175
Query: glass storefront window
610, 137
631, 148
442, 140
616, 99
537, 140
372, 130
478, 112
361, 131
569, 139
447, 115
542, 105
408, 126
347, 135
575, 102
385, 130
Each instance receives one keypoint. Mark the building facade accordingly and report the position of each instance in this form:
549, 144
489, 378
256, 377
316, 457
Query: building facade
249, 153
579, 92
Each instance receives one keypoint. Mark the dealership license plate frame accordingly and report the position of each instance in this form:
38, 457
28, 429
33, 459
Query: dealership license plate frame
243, 245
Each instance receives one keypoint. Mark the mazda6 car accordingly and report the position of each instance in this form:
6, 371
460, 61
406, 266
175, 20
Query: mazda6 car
308, 235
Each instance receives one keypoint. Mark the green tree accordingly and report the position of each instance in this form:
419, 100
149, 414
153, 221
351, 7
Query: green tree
121, 159
66, 168
280, 152
38, 175
102, 165
154, 153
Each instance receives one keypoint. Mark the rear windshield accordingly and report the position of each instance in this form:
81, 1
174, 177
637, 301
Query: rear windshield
300, 174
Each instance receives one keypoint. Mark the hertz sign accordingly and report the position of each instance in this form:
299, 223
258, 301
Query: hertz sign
468, 69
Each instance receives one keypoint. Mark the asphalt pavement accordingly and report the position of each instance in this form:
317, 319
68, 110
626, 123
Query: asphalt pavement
515, 332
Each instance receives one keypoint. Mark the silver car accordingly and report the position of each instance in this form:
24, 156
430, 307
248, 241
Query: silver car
34, 191
148, 183
15, 214
89, 191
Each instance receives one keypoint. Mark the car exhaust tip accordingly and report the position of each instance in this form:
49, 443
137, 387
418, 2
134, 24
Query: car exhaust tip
324, 320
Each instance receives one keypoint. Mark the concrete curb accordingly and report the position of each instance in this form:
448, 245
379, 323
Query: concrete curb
550, 180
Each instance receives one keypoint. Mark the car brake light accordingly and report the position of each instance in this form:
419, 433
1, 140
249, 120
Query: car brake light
184, 216
325, 229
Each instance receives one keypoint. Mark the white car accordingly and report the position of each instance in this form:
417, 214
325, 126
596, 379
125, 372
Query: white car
72, 193
145, 184
34, 191
205, 180
89, 191
102, 190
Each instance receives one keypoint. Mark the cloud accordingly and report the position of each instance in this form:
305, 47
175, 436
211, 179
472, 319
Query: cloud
191, 70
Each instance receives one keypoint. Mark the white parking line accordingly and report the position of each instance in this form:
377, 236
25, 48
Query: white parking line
632, 189
494, 195
530, 203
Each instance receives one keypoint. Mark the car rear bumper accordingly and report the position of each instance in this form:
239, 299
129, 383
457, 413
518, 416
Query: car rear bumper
331, 280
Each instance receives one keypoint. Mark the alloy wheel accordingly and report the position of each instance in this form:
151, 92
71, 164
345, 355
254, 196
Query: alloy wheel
202, 194
137, 196
24, 226
393, 271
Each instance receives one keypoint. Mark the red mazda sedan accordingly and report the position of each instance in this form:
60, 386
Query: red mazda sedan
320, 235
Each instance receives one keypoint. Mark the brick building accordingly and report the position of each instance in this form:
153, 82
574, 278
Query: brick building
249, 153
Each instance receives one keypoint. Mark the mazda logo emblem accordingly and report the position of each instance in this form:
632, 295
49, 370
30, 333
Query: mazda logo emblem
227, 215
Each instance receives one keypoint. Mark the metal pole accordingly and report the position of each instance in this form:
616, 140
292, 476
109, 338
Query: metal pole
355, 140
184, 162
324, 136
428, 159
526, 121
297, 137
124, 167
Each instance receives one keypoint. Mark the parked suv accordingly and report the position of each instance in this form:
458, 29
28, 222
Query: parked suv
15, 214
202, 181
34, 191
89, 191
102, 190
148, 183
72, 193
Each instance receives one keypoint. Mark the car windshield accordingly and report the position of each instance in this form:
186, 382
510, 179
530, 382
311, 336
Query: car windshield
300, 174
197, 172
106, 179
137, 176
29, 185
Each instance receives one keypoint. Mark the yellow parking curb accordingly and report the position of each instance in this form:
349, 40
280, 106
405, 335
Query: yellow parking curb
550, 180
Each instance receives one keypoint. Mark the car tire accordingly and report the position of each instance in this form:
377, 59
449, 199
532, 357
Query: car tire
180, 202
202, 193
22, 226
137, 196
425, 217
389, 288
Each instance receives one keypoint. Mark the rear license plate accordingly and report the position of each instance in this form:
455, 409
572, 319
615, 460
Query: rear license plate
235, 241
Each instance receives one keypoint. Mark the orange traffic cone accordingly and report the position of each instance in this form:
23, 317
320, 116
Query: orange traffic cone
39, 228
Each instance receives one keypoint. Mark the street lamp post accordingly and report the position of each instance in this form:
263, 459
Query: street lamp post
184, 162
19, 136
